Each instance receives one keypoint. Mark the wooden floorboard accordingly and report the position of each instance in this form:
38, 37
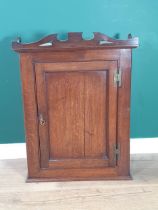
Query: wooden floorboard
141, 193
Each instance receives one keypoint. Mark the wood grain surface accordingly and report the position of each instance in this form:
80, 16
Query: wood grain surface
76, 116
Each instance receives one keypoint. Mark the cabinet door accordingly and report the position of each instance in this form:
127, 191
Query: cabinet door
77, 112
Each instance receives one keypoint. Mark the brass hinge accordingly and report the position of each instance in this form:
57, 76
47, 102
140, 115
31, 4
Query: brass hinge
118, 78
116, 151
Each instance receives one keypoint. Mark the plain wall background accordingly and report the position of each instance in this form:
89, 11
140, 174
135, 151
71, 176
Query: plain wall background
33, 19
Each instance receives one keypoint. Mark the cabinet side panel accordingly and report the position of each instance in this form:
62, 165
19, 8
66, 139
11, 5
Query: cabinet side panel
30, 114
123, 134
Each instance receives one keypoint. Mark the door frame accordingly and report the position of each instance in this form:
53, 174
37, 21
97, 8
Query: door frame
41, 69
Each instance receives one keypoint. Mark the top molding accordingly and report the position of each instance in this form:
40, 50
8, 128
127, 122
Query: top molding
75, 41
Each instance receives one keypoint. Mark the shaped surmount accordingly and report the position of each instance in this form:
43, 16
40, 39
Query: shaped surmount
75, 40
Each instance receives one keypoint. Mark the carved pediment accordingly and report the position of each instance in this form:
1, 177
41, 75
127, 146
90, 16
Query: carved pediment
75, 40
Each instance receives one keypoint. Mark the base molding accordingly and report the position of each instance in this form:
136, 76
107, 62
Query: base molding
30, 180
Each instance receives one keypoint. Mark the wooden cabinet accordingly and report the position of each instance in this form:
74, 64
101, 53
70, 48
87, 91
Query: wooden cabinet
77, 106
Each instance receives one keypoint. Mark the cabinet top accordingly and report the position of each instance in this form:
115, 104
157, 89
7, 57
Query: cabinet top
75, 41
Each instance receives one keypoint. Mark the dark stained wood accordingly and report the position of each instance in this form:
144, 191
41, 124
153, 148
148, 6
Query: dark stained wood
75, 115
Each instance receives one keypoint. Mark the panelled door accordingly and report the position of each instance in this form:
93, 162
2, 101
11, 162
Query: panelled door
77, 114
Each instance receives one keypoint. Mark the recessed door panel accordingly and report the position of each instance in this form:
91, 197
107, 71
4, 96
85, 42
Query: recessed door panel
65, 99
95, 113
